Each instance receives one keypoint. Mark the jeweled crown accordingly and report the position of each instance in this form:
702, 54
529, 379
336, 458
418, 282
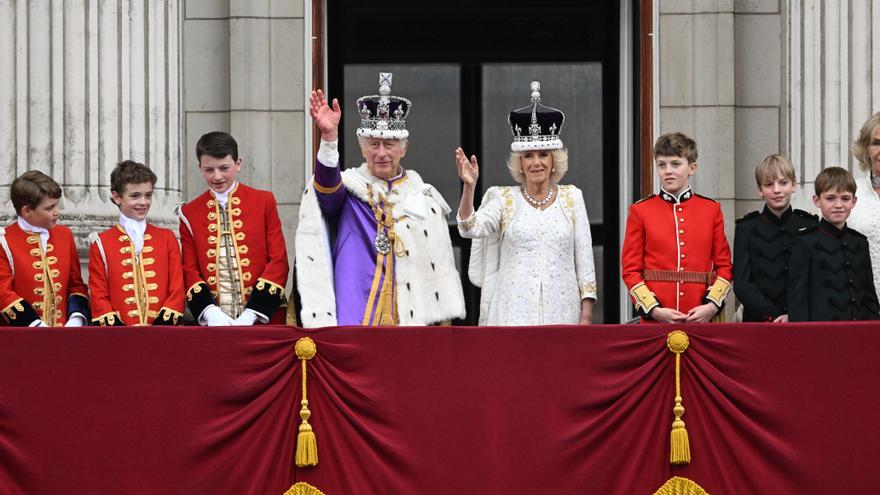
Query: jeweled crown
536, 126
383, 116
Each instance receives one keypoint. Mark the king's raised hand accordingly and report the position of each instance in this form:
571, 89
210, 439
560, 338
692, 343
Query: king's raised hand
326, 117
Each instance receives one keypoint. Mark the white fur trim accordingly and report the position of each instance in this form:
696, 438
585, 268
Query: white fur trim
383, 134
536, 145
314, 265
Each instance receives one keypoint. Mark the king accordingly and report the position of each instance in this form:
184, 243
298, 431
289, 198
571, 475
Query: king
391, 259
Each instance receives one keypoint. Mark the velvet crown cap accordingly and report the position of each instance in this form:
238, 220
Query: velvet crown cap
536, 126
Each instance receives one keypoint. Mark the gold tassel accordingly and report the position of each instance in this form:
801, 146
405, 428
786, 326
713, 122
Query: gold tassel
680, 486
303, 489
306, 443
680, 450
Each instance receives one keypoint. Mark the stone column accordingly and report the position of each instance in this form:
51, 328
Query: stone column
88, 84
833, 80
244, 73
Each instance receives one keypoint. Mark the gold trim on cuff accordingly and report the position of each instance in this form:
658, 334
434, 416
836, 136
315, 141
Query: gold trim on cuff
718, 291
643, 297
326, 190
273, 287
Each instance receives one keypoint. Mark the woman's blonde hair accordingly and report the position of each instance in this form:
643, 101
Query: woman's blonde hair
860, 145
559, 166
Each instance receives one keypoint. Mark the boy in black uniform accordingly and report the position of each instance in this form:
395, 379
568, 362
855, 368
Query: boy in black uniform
830, 276
762, 243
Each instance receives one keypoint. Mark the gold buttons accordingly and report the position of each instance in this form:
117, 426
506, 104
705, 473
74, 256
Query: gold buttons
682, 256
681, 231
681, 219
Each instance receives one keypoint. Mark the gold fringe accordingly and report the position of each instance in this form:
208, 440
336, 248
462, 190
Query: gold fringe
680, 486
303, 489
680, 450
306, 443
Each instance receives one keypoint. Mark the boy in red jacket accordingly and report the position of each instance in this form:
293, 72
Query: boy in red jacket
675, 259
40, 279
135, 274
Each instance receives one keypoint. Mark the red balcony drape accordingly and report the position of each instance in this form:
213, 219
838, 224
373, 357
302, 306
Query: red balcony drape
770, 409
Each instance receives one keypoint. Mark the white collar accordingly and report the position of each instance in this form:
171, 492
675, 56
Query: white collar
135, 230
44, 233
223, 197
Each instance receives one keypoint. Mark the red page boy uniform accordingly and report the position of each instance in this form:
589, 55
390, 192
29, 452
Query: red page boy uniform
675, 254
40, 276
234, 255
135, 288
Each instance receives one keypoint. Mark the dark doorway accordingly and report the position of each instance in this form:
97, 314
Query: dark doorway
465, 65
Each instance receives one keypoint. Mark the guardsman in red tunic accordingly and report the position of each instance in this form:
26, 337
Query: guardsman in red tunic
135, 274
234, 256
40, 279
675, 259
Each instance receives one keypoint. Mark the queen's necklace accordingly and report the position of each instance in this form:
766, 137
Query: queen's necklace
875, 181
536, 202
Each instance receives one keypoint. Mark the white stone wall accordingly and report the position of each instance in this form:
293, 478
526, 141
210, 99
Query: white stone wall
84, 86
833, 82
244, 73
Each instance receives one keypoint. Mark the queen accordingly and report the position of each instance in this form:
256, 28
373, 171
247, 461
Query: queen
532, 252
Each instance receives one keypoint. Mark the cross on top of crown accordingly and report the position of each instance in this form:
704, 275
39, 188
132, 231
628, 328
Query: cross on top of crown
536, 91
385, 83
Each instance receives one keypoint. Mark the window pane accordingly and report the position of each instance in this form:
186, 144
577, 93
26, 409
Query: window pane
576, 89
434, 123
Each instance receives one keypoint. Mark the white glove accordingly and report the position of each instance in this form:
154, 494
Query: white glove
246, 318
75, 320
38, 323
213, 316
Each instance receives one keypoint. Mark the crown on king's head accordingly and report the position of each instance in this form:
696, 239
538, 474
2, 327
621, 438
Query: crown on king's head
536, 126
383, 116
